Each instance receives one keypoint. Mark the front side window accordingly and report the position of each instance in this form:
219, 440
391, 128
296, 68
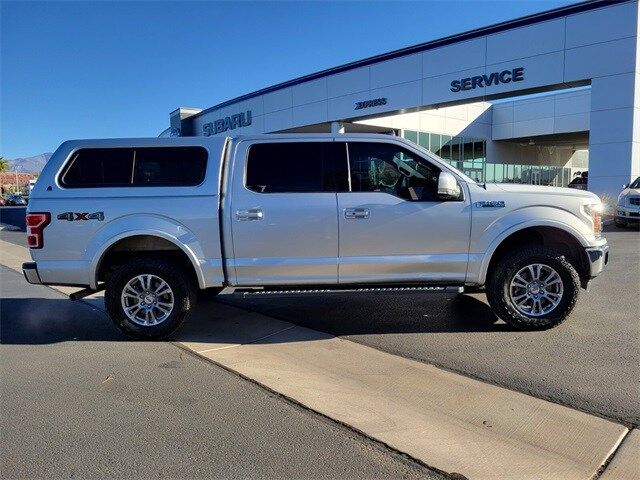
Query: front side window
135, 167
388, 168
300, 167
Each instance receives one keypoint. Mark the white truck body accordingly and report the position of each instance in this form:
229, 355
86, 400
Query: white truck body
236, 236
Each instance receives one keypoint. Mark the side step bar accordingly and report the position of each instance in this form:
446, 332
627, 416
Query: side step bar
85, 292
346, 289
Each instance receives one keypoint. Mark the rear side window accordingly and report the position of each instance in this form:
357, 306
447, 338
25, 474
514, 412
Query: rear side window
135, 167
297, 167
95, 167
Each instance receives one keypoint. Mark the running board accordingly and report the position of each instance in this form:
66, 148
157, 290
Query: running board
85, 292
345, 289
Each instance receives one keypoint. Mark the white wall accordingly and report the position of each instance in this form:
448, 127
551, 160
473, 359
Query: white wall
549, 114
473, 120
603, 45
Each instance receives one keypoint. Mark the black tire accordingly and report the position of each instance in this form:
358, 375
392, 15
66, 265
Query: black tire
183, 291
499, 280
619, 223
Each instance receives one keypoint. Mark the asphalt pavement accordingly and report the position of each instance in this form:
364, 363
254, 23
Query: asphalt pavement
13, 216
78, 400
590, 362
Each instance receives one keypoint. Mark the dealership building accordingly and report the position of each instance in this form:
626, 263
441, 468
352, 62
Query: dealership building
538, 99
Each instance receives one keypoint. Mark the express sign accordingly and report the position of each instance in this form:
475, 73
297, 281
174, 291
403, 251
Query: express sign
376, 102
486, 80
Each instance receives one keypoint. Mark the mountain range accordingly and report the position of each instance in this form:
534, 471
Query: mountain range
30, 164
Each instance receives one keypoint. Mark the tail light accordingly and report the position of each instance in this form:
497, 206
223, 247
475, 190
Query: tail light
35, 227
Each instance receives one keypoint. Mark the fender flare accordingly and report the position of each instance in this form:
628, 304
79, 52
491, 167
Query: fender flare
103, 245
484, 267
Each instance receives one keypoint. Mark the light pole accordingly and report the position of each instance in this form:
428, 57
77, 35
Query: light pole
16, 171
17, 179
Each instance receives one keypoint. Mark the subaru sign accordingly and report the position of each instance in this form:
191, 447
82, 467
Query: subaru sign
227, 123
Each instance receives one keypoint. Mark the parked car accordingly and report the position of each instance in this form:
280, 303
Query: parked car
628, 208
304, 212
16, 200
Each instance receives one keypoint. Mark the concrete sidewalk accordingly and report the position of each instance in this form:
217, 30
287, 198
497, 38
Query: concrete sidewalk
447, 421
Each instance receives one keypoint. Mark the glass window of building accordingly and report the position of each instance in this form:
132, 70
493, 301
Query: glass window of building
468, 154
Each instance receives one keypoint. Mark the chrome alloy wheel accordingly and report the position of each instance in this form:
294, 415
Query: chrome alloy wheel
536, 290
147, 300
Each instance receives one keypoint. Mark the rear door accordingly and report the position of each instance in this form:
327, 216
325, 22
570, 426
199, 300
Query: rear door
393, 227
284, 214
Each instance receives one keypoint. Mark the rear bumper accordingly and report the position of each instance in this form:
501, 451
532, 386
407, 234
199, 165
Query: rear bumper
598, 259
30, 272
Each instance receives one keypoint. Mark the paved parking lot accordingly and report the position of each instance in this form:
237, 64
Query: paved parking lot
590, 362
81, 401
13, 216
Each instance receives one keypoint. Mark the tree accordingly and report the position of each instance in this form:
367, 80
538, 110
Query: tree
4, 165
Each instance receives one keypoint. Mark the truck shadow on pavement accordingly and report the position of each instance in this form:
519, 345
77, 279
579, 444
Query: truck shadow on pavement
343, 314
48, 320
232, 319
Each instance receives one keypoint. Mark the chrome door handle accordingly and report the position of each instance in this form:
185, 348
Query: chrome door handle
250, 214
356, 213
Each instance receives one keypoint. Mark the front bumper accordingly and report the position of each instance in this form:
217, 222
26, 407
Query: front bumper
30, 272
598, 259
628, 213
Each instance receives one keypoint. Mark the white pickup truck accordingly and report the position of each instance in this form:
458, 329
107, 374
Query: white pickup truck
151, 221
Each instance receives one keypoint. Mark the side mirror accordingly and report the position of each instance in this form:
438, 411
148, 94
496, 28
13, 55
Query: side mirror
626, 185
448, 188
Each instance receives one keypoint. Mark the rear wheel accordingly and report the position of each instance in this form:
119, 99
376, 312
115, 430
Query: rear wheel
533, 288
149, 297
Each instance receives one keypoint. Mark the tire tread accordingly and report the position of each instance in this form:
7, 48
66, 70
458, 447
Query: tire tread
170, 272
501, 274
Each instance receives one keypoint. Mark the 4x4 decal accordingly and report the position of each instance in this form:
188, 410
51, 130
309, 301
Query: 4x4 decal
74, 216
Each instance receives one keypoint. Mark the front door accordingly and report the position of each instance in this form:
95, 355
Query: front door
284, 212
393, 227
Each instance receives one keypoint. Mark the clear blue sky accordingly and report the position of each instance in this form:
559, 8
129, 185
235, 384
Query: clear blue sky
108, 69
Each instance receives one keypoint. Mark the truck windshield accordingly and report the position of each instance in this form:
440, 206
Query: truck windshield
442, 161
635, 183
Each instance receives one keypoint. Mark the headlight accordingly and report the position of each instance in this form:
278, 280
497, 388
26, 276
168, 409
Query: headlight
621, 199
595, 211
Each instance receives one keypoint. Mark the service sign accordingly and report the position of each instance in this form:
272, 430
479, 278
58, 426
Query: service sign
227, 123
486, 80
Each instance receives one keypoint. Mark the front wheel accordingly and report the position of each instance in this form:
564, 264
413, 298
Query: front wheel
533, 288
149, 298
